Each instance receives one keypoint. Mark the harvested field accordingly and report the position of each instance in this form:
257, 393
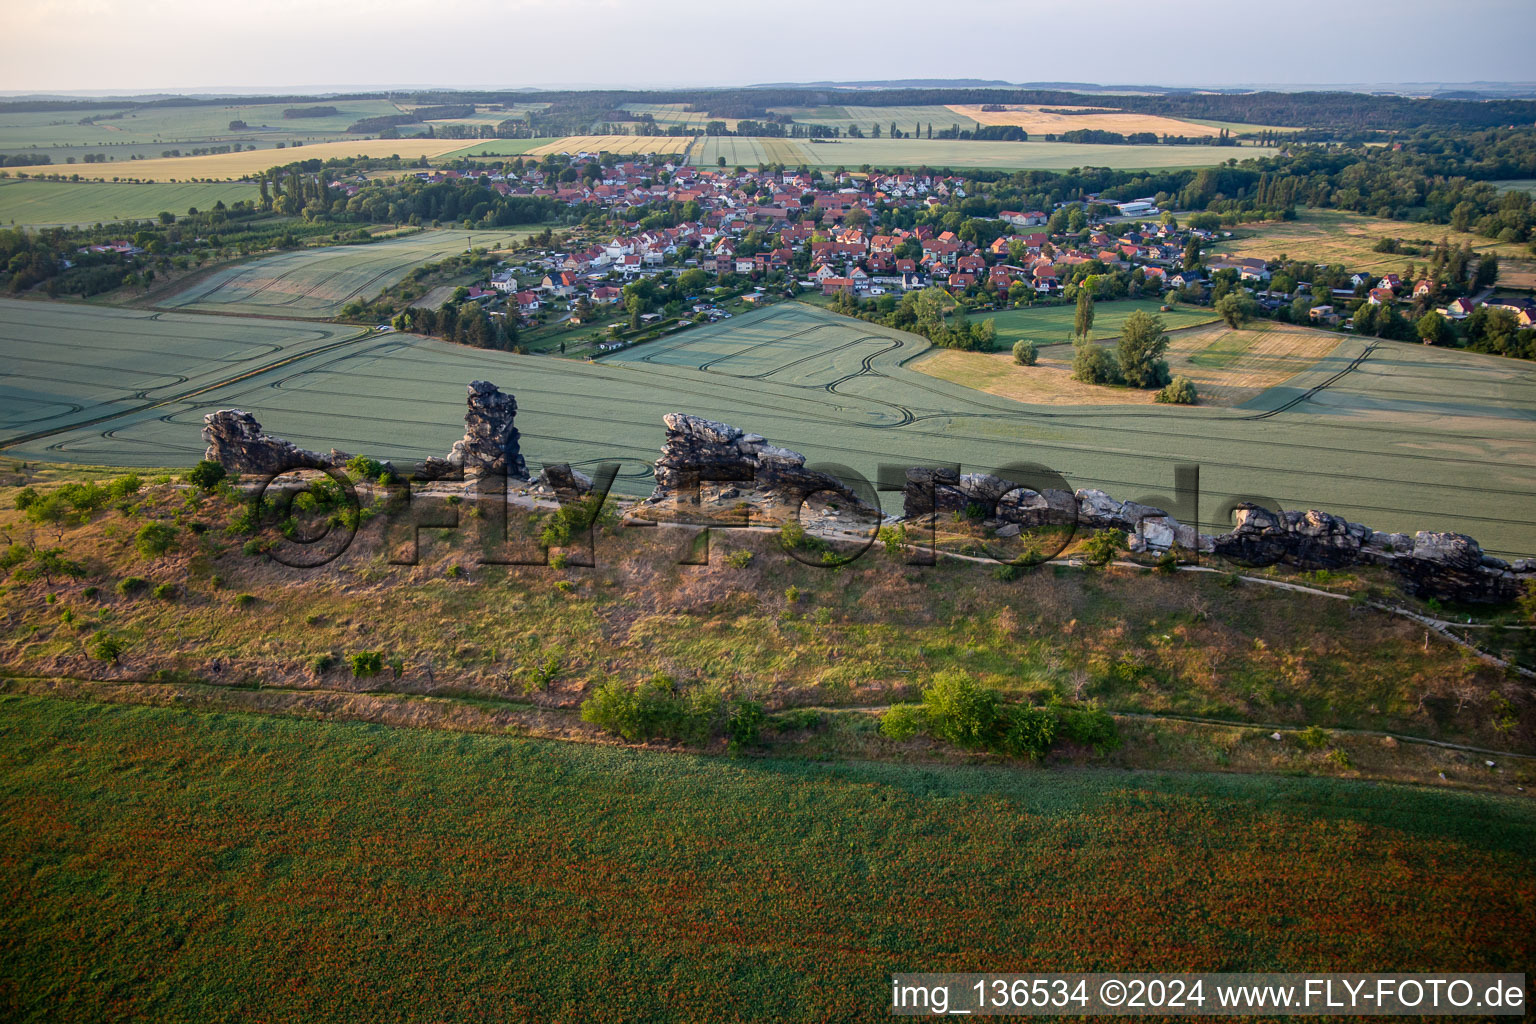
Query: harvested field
1041, 121
617, 144
318, 282
1228, 367
1396, 436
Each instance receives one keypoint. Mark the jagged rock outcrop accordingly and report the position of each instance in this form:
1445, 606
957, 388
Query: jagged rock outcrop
710, 469
565, 483
490, 443
235, 441
1010, 507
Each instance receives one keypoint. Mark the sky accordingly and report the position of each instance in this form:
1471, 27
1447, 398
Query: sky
290, 45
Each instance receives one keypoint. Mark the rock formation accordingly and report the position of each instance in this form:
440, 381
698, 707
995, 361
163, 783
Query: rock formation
236, 442
490, 441
1448, 566
708, 468
561, 480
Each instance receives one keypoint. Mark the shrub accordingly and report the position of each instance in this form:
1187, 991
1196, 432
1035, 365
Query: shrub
1025, 731
131, 585
960, 710
320, 664
363, 468
165, 592
792, 594
366, 663
155, 539
1102, 547
207, 475
1313, 737
1025, 352
245, 600
1087, 724
894, 538
26, 498
1179, 391
124, 486
659, 709
1007, 572
739, 559
1094, 365
903, 721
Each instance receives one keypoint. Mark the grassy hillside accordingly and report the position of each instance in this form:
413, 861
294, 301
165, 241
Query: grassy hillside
161, 864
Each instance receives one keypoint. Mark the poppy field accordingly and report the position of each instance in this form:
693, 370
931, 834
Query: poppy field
165, 864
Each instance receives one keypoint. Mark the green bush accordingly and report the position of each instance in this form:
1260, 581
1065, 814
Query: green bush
1094, 365
959, 710
1025, 352
165, 592
366, 663
1313, 737
903, 721
1102, 547
1087, 724
131, 585
1180, 391
155, 539
739, 559
320, 664
245, 600
660, 709
207, 475
577, 517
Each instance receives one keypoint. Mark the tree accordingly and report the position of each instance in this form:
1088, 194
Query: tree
1142, 345
1092, 364
1365, 319
1487, 271
1025, 353
1301, 309
1082, 324
1192, 254
1236, 308
1433, 329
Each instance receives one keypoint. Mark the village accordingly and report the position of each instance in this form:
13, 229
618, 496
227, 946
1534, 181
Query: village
753, 237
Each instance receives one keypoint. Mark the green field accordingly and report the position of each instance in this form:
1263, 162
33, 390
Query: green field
51, 203
67, 364
161, 864
1401, 441
495, 148
1051, 325
318, 282
748, 152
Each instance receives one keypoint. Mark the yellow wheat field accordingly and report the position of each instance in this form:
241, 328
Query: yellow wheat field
235, 166
617, 144
1035, 120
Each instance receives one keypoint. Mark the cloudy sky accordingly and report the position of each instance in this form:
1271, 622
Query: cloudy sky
63, 45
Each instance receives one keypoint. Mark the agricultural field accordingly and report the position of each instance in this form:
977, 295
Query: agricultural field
284, 865
318, 282
34, 203
1400, 439
749, 152
617, 144
1228, 367
1337, 237
1040, 121
907, 118
238, 166
495, 148
1019, 155
67, 364
1517, 185
180, 126
675, 114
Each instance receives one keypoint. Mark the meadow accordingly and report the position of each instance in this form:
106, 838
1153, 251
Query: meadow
33, 203
1051, 325
1401, 440
496, 148
165, 864
318, 282
239, 166
616, 144
1349, 239
1228, 367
